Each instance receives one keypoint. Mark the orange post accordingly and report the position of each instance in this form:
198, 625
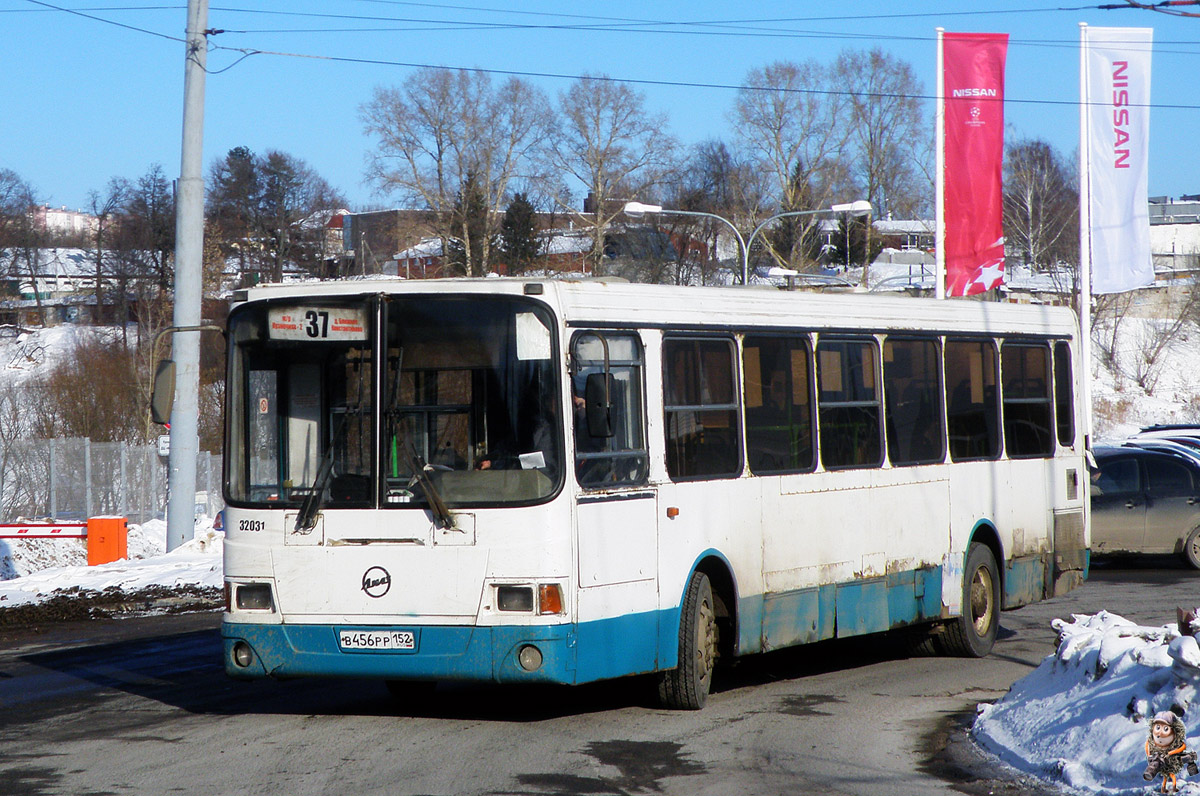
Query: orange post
107, 540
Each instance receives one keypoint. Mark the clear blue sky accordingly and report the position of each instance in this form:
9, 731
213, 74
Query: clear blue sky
84, 100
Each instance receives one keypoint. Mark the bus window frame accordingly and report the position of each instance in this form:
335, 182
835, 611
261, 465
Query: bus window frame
1028, 343
640, 365
1066, 403
806, 339
739, 456
872, 339
939, 410
249, 362
997, 411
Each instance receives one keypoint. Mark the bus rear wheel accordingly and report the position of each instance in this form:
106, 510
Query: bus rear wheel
973, 633
686, 687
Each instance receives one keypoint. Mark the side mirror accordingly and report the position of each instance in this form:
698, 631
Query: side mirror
163, 395
597, 396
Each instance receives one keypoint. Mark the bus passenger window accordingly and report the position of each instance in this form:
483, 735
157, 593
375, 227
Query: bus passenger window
777, 394
848, 404
617, 455
1026, 393
972, 411
913, 407
1064, 397
701, 411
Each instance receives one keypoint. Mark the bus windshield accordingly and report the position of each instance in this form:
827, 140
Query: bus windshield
393, 402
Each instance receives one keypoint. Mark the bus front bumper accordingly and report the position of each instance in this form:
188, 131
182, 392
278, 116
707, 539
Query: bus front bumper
502, 654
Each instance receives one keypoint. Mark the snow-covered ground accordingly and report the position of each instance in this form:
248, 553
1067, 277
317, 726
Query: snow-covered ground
46, 567
1082, 718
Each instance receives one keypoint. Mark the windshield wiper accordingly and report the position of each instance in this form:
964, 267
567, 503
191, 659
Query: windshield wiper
441, 514
306, 520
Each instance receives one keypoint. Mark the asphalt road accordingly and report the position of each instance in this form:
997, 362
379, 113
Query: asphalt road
141, 706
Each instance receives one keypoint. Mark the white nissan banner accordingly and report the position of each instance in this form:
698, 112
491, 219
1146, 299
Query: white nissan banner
1118, 142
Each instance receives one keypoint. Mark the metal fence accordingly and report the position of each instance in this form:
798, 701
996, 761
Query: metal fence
75, 478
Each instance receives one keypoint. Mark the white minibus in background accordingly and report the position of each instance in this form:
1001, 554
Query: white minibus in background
522, 480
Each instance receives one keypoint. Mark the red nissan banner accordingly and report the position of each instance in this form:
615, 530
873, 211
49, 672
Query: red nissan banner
973, 70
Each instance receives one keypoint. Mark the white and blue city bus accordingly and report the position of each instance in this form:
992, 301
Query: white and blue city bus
554, 481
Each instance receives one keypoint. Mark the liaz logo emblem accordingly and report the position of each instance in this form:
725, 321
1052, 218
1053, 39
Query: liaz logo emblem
376, 581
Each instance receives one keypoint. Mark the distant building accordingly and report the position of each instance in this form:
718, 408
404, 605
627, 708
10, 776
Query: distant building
61, 221
1165, 210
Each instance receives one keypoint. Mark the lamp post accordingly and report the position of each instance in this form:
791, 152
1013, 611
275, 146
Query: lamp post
637, 210
858, 208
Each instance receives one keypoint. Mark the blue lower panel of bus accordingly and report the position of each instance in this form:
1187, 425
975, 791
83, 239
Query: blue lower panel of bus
617, 647
845, 609
586, 652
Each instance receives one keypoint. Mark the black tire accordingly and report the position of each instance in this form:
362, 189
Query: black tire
973, 634
1191, 548
920, 642
686, 686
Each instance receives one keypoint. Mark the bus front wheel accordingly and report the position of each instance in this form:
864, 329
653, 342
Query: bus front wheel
972, 634
686, 686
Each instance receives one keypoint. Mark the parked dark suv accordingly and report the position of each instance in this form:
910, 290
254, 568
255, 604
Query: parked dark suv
1146, 501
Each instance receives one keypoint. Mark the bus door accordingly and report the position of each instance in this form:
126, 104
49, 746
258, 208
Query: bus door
616, 508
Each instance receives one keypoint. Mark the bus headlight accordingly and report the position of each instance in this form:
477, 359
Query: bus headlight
254, 597
514, 598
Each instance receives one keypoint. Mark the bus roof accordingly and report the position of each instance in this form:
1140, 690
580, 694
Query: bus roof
598, 302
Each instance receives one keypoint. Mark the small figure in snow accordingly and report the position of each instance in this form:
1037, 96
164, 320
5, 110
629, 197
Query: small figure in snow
1167, 752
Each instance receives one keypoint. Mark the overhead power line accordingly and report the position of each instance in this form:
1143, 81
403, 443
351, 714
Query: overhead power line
245, 53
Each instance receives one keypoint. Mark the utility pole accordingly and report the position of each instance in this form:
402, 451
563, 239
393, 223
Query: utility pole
189, 253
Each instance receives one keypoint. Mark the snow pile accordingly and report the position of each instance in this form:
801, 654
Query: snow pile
196, 563
1081, 719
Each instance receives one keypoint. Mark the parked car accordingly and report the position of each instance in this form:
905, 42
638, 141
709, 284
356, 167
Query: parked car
1166, 445
1146, 501
1183, 434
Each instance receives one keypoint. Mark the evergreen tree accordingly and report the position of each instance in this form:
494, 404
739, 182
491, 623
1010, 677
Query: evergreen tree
849, 243
518, 234
465, 242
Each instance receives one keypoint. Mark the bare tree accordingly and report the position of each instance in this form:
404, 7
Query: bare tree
295, 204
443, 129
793, 121
104, 207
714, 180
610, 143
1041, 210
21, 236
887, 130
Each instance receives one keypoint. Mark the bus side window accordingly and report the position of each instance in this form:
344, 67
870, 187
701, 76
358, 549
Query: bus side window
848, 406
913, 406
1028, 428
1064, 397
701, 410
777, 394
617, 454
972, 412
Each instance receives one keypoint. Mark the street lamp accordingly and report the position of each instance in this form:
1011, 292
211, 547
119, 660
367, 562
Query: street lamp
858, 208
637, 210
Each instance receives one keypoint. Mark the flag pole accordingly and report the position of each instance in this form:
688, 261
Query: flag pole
1085, 239
939, 168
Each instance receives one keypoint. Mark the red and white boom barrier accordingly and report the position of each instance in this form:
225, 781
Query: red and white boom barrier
107, 537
